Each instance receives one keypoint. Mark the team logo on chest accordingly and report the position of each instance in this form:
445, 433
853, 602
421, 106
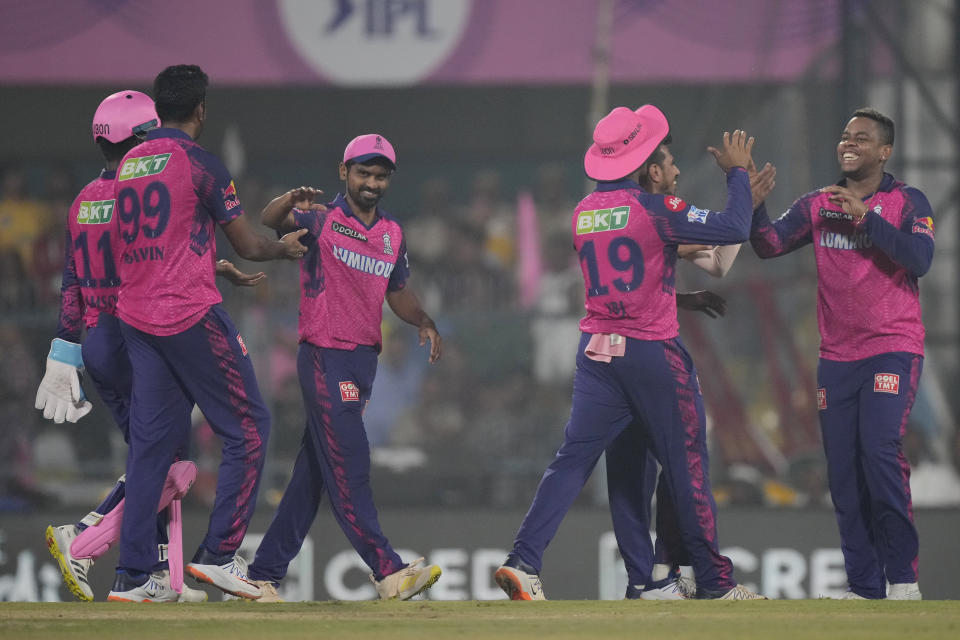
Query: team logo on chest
387, 248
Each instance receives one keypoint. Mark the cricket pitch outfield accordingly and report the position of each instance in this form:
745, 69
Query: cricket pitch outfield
553, 620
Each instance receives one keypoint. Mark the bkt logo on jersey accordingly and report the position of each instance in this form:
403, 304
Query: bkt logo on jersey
143, 167
96, 212
363, 263
602, 220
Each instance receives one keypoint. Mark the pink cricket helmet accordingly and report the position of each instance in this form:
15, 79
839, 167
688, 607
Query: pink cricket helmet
124, 114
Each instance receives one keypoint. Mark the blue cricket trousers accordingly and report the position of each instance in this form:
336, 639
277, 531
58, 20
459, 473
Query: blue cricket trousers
334, 459
204, 365
864, 406
653, 384
106, 361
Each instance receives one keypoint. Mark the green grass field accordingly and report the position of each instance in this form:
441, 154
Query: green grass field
772, 620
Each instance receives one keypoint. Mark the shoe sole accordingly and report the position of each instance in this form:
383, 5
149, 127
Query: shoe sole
200, 576
130, 600
434, 576
72, 585
511, 585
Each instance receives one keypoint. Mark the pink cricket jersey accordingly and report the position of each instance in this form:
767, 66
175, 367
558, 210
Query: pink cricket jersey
627, 242
868, 295
90, 275
170, 193
347, 272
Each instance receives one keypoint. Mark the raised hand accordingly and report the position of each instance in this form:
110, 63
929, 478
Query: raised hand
735, 152
762, 182
293, 250
304, 197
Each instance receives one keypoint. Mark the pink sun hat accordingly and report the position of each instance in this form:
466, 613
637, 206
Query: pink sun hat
369, 146
623, 140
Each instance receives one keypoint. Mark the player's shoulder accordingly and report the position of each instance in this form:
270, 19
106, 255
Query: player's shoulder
390, 219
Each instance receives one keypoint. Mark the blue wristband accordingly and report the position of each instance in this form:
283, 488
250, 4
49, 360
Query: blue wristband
66, 352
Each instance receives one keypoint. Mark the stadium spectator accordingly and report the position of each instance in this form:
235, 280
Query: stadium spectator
356, 259
873, 238
632, 369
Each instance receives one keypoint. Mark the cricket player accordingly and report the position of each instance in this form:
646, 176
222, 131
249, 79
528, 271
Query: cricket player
357, 258
633, 371
183, 348
88, 299
630, 492
872, 239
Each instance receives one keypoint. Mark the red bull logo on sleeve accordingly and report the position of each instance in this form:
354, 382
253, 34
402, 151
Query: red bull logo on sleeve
243, 347
230, 197
886, 383
349, 392
143, 167
602, 220
924, 226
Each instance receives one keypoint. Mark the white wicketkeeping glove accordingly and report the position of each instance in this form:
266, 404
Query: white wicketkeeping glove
60, 395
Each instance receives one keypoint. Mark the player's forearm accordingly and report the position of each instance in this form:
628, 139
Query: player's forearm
772, 239
257, 248
739, 208
277, 213
70, 322
914, 252
406, 306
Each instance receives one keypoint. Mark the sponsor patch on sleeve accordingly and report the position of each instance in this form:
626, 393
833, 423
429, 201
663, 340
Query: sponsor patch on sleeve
243, 347
697, 215
674, 203
349, 392
924, 226
230, 197
886, 383
821, 399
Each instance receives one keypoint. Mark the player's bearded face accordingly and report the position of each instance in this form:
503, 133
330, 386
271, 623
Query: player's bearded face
366, 184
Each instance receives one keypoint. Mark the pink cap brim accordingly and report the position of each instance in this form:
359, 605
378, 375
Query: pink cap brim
604, 168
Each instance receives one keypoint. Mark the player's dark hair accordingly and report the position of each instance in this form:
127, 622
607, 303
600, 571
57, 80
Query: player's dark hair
114, 151
886, 124
657, 158
177, 91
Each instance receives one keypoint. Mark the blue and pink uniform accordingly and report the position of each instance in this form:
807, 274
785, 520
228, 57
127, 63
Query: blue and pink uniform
871, 356
344, 277
91, 282
627, 242
183, 347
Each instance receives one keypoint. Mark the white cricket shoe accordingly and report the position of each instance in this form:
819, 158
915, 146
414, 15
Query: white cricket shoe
904, 591
850, 595
407, 582
187, 594
520, 583
672, 589
740, 592
230, 577
156, 589
74, 570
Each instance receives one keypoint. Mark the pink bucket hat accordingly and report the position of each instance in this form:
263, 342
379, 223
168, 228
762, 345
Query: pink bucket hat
623, 140
369, 146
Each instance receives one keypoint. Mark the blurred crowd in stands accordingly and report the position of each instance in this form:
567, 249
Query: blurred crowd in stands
496, 269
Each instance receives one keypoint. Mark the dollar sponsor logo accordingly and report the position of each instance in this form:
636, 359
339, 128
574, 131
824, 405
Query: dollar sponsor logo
886, 383
143, 167
95, 212
833, 240
602, 220
349, 392
821, 398
828, 214
348, 231
363, 263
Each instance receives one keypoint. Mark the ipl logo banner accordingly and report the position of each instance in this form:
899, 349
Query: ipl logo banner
374, 42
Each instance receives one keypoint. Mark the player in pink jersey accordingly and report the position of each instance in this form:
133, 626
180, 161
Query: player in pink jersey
872, 238
629, 493
633, 372
183, 348
357, 258
88, 300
